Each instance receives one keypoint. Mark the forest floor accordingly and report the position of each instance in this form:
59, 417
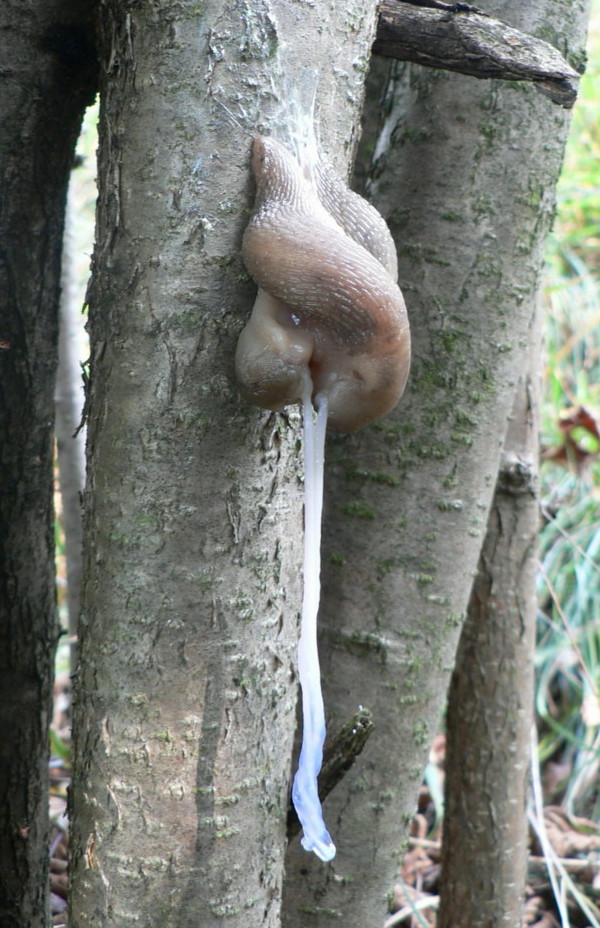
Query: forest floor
575, 842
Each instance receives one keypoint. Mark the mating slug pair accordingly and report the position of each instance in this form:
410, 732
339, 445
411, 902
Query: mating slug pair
328, 328
328, 303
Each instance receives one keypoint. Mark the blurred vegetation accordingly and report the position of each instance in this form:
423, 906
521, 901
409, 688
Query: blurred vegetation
568, 652
80, 229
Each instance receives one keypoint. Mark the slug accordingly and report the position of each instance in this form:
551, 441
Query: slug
328, 329
326, 302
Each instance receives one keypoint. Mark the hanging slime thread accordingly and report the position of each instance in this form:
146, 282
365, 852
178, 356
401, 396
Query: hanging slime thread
328, 329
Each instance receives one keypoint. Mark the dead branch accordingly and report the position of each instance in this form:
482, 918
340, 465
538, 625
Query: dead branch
473, 44
339, 754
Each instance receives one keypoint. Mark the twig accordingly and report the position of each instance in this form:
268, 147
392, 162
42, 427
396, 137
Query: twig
560, 880
431, 902
473, 44
425, 843
571, 864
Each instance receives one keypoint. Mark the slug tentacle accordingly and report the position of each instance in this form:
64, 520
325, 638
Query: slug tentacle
329, 287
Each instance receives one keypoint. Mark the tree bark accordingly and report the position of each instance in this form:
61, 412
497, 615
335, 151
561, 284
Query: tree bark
465, 173
490, 704
47, 78
185, 706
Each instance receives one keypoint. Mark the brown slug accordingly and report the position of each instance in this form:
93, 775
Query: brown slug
328, 306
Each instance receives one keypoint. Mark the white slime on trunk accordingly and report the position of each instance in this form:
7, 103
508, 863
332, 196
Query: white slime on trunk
305, 791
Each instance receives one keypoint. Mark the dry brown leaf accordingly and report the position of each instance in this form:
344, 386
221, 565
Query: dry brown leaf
554, 778
437, 754
570, 835
580, 417
546, 921
572, 453
534, 906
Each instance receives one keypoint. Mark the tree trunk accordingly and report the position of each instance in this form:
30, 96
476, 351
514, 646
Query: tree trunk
185, 707
465, 171
490, 706
47, 78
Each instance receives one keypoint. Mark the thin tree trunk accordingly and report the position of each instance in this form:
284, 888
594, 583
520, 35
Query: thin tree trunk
465, 171
490, 707
46, 78
185, 707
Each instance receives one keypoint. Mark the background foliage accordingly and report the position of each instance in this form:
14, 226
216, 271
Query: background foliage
568, 652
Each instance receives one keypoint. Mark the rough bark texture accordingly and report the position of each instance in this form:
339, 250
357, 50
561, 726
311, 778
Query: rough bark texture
185, 707
465, 172
473, 44
490, 703
45, 81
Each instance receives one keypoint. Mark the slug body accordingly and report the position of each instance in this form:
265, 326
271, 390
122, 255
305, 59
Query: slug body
327, 303
328, 328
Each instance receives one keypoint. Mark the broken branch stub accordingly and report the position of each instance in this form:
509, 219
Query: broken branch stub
475, 45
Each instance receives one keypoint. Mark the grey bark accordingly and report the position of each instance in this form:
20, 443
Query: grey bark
46, 78
465, 173
185, 706
490, 702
